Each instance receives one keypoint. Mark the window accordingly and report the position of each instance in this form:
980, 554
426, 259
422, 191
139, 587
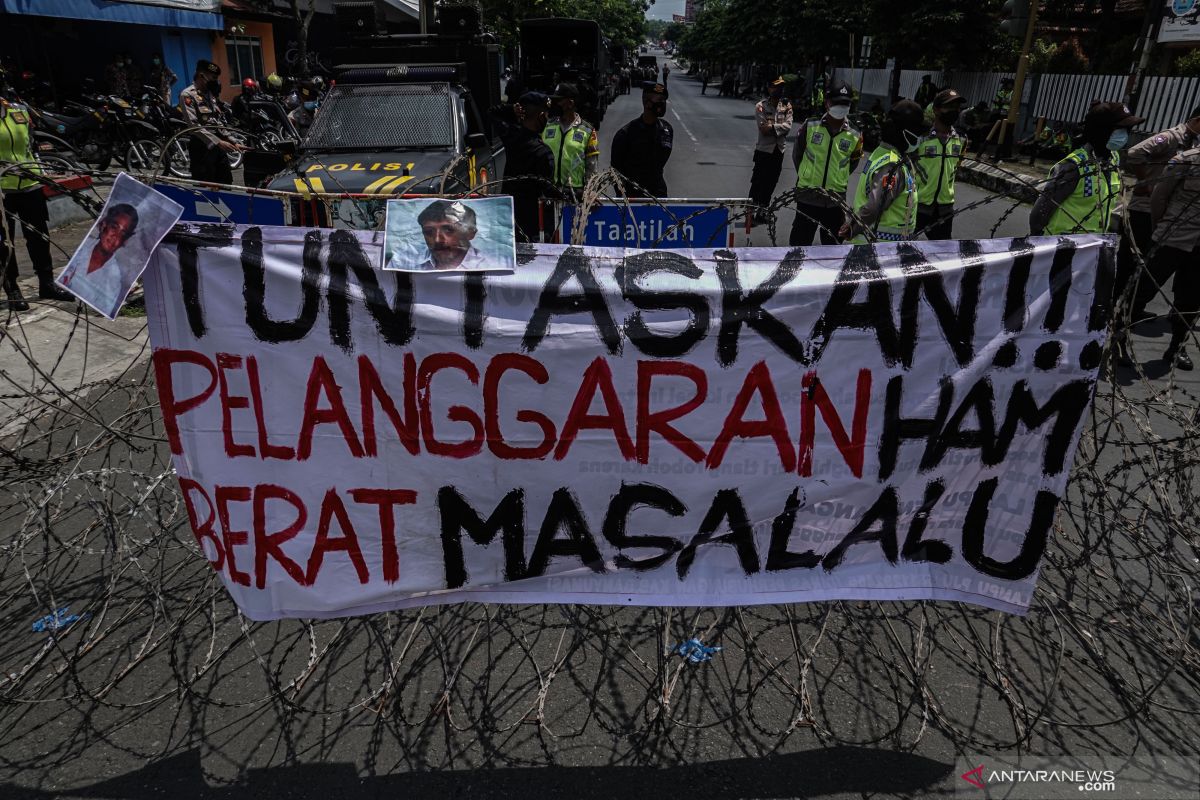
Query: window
244, 55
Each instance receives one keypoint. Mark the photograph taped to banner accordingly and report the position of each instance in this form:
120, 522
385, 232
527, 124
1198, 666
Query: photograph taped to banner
112, 256
439, 235
720, 427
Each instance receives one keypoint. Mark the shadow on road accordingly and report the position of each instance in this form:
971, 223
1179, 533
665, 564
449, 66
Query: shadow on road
836, 770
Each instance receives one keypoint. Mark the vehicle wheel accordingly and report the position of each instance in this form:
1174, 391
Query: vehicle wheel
179, 163
235, 158
142, 156
55, 164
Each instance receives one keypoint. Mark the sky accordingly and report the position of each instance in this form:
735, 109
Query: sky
663, 9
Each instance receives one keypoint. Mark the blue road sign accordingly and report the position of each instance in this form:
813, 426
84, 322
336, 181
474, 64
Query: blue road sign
200, 205
651, 226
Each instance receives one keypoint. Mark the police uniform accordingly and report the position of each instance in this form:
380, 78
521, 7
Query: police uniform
1081, 194
774, 119
825, 155
1175, 208
24, 200
575, 146
209, 162
935, 166
885, 201
640, 152
1151, 155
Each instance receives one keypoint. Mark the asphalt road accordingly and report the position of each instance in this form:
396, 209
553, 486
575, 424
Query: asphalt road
714, 146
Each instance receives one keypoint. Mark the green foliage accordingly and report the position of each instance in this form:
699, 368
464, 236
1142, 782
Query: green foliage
622, 21
1188, 64
956, 34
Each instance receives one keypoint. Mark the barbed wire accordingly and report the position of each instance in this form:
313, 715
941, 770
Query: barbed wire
135, 625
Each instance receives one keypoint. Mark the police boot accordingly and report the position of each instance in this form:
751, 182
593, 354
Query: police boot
16, 301
49, 290
1176, 355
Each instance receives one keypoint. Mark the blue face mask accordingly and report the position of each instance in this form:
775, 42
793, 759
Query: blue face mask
1118, 139
310, 105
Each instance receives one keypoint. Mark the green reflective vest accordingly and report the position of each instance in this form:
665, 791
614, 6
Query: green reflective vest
1003, 100
825, 162
1089, 208
570, 151
15, 143
899, 220
936, 163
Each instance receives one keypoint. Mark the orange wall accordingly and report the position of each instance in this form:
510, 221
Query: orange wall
266, 36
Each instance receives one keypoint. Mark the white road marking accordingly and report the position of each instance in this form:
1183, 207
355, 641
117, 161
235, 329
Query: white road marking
685, 127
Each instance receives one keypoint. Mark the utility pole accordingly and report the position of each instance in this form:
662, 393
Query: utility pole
1018, 11
1133, 87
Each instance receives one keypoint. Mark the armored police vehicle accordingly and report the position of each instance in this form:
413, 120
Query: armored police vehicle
406, 116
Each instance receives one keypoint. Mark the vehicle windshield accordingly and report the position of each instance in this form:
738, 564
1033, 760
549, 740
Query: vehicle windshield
383, 117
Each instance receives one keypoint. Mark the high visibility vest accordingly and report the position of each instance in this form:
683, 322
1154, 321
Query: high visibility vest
899, 220
1089, 208
570, 151
935, 164
15, 143
1003, 100
825, 163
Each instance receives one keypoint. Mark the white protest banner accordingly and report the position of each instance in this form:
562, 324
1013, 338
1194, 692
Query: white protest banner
689, 427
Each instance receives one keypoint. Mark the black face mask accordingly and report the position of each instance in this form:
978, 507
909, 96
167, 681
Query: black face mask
660, 109
947, 117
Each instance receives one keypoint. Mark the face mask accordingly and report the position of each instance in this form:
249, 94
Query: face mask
912, 141
947, 117
659, 108
155, 61
311, 105
839, 112
1118, 139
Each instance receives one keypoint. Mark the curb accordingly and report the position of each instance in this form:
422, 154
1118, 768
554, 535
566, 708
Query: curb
1000, 181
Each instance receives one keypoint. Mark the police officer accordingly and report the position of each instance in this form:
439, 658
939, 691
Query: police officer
939, 153
24, 201
572, 140
1175, 210
162, 77
827, 150
885, 201
641, 149
1084, 188
774, 119
1146, 161
1003, 99
207, 147
529, 163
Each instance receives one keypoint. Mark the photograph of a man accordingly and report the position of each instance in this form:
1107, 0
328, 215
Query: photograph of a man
470, 235
448, 228
115, 252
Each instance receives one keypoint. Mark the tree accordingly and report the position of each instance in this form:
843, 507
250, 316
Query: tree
303, 21
622, 22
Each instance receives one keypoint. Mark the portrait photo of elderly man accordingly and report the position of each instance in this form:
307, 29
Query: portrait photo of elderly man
454, 235
115, 252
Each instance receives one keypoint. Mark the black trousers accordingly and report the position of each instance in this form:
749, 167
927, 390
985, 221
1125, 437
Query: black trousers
1185, 266
809, 217
28, 206
767, 167
935, 222
1140, 231
208, 163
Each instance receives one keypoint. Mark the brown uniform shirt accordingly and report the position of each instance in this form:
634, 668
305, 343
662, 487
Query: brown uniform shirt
199, 109
1153, 154
1175, 203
